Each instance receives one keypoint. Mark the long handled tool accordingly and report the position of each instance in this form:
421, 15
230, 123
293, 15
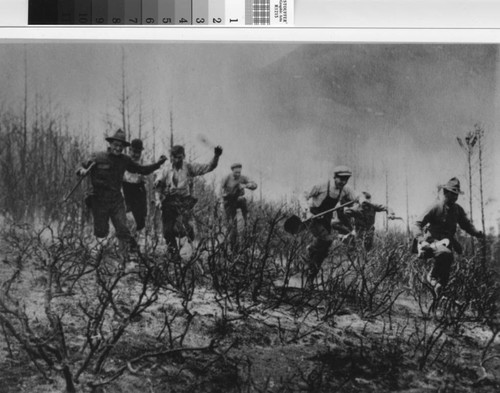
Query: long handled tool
68, 195
295, 225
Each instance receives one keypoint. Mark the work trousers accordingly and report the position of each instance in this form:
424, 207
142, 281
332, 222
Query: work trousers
366, 236
136, 203
103, 210
111, 208
442, 260
341, 226
318, 250
177, 220
231, 207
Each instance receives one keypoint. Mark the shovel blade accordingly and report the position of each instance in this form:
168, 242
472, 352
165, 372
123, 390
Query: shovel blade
293, 225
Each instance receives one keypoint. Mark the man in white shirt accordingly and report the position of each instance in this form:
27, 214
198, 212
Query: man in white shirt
173, 194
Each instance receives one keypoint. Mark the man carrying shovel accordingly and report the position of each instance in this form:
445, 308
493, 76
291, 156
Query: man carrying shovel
323, 200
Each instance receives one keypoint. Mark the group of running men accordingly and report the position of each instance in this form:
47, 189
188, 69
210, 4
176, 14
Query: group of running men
117, 185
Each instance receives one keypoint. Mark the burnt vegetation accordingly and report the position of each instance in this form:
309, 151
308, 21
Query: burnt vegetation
215, 319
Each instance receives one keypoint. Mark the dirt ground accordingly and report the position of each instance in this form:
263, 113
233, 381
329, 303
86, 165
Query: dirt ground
269, 349
274, 343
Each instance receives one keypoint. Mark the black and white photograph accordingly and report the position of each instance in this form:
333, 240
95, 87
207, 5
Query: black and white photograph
249, 217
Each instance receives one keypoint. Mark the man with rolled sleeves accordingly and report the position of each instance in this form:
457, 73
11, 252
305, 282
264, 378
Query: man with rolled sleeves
233, 198
434, 234
321, 198
104, 196
174, 195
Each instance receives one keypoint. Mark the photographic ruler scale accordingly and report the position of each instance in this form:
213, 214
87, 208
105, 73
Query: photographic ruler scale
161, 12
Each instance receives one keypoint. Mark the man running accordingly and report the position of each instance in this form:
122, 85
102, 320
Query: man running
321, 198
104, 196
174, 195
233, 198
363, 214
434, 234
134, 189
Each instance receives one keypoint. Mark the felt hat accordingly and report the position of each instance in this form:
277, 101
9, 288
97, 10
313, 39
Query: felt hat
453, 185
236, 165
366, 195
119, 136
136, 144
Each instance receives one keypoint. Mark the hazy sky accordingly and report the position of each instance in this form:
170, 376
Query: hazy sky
288, 112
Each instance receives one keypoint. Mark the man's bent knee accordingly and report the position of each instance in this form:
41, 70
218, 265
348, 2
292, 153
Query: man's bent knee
320, 246
101, 234
443, 251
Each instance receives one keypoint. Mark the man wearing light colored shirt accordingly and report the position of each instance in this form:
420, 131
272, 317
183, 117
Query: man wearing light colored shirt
321, 198
173, 194
233, 198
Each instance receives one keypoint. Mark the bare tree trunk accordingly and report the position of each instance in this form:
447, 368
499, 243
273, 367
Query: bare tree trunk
407, 205
25, 116
480, 134
260, 186
154, 123
386, 198
154, 145
171, 129
352, 150
470, 141
140, 118
124, 100
469, 155
25, 136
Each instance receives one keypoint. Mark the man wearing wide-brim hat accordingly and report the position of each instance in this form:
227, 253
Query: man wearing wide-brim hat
104, 197
439, 222
321, 198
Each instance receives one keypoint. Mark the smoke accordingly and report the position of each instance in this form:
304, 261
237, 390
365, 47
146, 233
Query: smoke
288, 112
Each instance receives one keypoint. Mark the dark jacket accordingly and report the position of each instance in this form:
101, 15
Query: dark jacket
106, 175
440, 221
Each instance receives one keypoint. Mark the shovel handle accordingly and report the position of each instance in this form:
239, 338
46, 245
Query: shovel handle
78, 183
329, 211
